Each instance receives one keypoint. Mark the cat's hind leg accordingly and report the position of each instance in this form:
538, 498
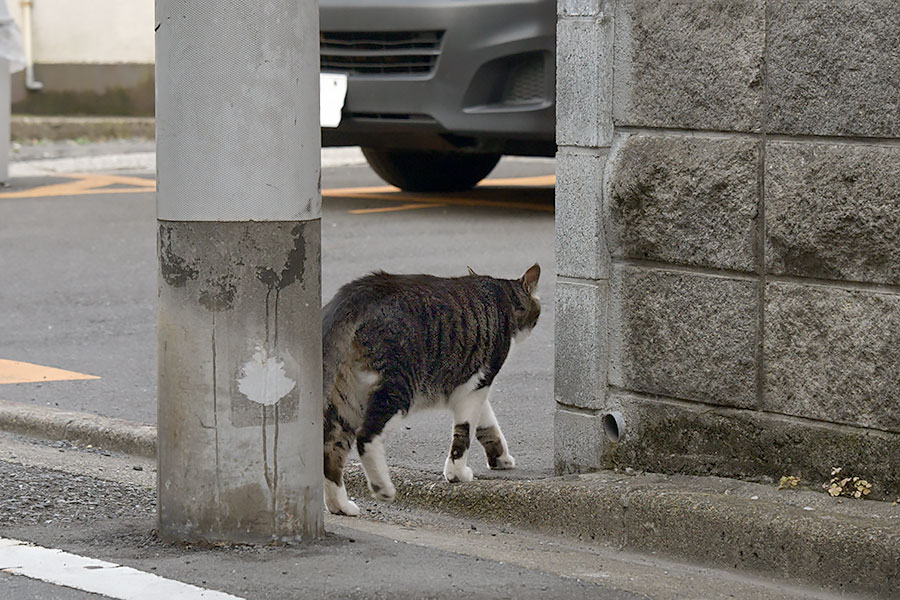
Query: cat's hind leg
466, 406
491, 438
338, 439
383, 408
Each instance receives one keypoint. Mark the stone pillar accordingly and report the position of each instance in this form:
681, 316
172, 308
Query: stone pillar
728, 217
584, 134
239, 204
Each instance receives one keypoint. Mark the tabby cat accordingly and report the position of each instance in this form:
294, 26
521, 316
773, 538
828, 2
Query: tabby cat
397, 343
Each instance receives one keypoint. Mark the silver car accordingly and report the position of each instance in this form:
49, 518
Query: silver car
438, 90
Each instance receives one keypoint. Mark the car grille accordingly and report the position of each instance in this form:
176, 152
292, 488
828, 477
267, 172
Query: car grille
381, 52
526, 82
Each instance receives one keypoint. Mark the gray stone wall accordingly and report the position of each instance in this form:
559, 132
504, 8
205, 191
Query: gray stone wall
728, 237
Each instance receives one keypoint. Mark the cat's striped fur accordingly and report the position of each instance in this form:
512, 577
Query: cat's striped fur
396, 343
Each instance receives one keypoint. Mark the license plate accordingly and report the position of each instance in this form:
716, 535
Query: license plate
332, 91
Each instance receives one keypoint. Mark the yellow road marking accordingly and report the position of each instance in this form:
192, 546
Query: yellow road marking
542, 180
365, 211
86, 184
455, 201
389, 193
379, 189
539, 180
13, 371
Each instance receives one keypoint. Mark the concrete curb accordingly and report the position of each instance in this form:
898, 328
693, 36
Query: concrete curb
711, 521
80, 428
26, 127
800, 536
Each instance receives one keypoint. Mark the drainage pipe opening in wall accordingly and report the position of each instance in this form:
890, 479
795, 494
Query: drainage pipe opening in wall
613, 426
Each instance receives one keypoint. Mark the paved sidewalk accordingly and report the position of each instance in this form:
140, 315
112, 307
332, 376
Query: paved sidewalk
795, 535
90, 507
98, 504
120, 155
49, 127
47, 145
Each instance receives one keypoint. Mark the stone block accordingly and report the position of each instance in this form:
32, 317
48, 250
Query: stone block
833, 67
684, 200
832, 354
690, 65
684, 335
580, 247
584, 82
833, 211
679, 437
577, 441
581, 353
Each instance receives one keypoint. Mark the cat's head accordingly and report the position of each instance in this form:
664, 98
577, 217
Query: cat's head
526, 305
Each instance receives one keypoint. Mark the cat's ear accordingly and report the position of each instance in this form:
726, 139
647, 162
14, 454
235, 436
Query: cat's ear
530, 278
471, 272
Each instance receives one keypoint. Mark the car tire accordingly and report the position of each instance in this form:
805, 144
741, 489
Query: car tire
426, 171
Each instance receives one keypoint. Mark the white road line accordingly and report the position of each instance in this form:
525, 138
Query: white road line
96, 576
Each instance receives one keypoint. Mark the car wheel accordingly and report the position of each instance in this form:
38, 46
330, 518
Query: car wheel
424, 171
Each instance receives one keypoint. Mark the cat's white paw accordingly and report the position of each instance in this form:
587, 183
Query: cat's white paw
457, 473
336, 501
385, 492
339, 507
502, 462
348, 508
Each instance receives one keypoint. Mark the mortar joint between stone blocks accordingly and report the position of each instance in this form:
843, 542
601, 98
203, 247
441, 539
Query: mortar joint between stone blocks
581, 410
681, 268
724, 409
599, 151
761, 136
581, 280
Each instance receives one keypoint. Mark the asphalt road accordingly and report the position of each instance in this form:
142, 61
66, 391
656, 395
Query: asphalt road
78, 271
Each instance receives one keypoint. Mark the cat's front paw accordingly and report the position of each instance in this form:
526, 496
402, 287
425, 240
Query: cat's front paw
457, 473
386, 492
502, 462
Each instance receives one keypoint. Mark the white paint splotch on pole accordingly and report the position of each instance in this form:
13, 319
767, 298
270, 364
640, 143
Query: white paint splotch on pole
238, 207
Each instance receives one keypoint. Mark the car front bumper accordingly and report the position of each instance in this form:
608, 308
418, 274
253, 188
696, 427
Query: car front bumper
489, 85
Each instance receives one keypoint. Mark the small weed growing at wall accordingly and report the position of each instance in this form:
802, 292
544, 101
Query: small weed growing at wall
788, 482
853, 487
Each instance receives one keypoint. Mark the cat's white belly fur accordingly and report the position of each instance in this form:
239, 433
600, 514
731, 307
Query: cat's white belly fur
366, 381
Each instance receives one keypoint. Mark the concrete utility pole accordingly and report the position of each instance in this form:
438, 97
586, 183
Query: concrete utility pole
238, 204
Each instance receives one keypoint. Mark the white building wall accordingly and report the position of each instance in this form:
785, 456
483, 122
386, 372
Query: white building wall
90, 31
